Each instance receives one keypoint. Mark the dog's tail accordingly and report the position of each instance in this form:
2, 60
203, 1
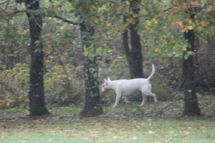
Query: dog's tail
153, 71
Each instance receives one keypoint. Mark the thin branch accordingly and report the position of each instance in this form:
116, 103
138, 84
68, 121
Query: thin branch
67, 77
207, 39
66, 20
50, 13
7, 4
18, 11
69, 85
3, 2
168, 9
160, 111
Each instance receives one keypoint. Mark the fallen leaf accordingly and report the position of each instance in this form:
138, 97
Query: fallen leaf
4, 127
209, 136
71, 136
39, 132
166, 137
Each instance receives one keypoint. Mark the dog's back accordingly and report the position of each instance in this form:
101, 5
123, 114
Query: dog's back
127, 87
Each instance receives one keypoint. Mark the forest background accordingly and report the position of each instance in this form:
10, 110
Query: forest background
160, 27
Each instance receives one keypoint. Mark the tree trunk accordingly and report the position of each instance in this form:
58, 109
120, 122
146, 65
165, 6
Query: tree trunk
136, 52
36, 93
191, 107
127, 49
93, 105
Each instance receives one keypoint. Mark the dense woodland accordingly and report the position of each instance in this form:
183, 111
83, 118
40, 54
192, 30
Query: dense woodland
57, 52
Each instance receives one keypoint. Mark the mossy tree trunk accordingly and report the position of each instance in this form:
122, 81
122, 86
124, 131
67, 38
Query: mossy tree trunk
36, 93
93, 106
191, 107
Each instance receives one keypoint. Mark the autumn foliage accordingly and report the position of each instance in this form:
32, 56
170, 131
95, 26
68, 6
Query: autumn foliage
161, 27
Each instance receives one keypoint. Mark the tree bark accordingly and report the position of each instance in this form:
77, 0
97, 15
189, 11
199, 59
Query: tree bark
191, 107
93, 106
36, 93
127, 49
136, 49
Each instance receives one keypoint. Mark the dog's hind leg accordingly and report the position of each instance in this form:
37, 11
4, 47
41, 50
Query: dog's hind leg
153, 95
126, 100
147, 92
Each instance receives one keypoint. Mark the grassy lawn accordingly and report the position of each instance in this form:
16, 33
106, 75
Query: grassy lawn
124, 124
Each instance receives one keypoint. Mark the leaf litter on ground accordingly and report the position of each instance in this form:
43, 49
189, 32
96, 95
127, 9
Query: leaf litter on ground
126, 123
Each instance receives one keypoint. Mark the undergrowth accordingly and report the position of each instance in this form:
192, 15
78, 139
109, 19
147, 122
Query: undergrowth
166, 109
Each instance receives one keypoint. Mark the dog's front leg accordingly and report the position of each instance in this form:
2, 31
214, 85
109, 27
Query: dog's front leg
144, 99
118, 95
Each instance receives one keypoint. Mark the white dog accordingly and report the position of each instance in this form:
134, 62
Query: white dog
126, 87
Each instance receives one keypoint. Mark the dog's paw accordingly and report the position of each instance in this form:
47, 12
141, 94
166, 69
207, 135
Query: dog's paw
128, 102
141, 105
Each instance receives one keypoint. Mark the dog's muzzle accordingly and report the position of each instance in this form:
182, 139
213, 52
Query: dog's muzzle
104, 91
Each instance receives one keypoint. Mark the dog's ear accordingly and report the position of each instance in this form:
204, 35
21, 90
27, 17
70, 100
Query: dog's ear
109, 79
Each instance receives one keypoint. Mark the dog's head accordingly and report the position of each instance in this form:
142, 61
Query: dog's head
105, 85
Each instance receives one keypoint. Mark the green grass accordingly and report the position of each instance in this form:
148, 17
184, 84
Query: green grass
101, 129
123, 124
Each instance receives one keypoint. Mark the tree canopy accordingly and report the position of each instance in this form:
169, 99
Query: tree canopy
160, 26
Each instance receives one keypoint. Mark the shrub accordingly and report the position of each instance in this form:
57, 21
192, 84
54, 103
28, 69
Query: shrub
14, 85
61, 88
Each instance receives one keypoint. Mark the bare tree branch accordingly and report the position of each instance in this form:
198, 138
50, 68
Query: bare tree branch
3, 2
7, 4
48, 13
66, 20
